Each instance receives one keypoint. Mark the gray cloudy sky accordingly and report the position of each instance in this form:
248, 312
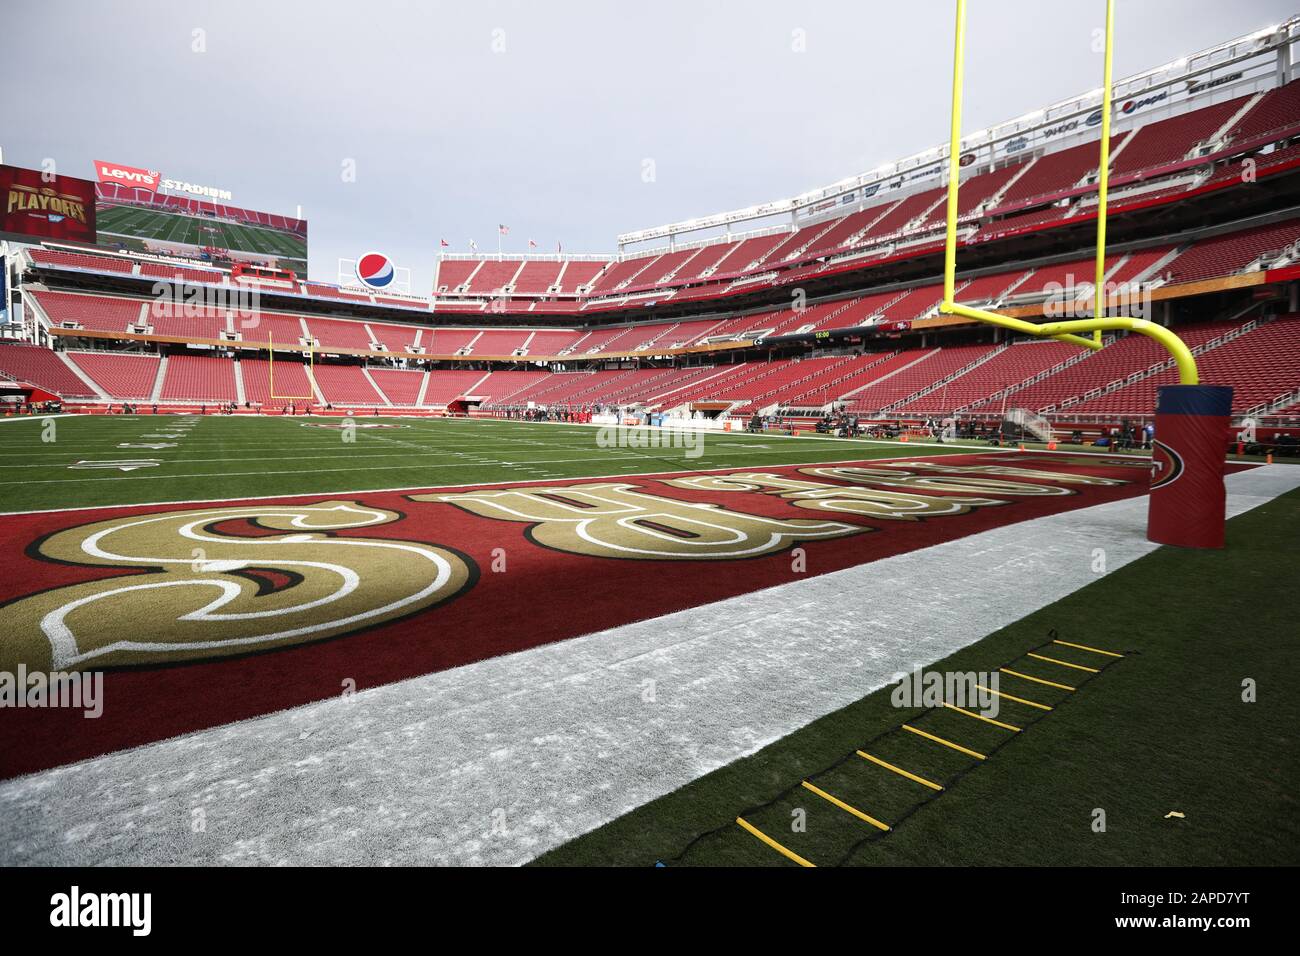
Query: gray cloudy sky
539, 114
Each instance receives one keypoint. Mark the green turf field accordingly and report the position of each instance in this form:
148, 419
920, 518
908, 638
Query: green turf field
1162, 729
237, 456
133, 223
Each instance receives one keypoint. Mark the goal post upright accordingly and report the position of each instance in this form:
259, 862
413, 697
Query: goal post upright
1103, 170
1187, 494
1074, 331
270, 372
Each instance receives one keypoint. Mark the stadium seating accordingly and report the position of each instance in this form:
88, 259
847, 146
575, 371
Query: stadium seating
577, 275
158, 270
399, 386
43, 368
1011, 366
275, 383
77, 260
334, 292
199, 378
548, 342
344, 385
95, 313
493, 275
500, 342
1170, 140
706, 258
499, 386
1230, 253
395, 338
926, 367
453, 273
1278, 109
975, 191
447, 385
447, 341
1054, 173
536, 276
288, 330
871, 368
337, 333
119, 375
744, 253
651, 385
621, 273
1130, 355
903, 212
1261, 366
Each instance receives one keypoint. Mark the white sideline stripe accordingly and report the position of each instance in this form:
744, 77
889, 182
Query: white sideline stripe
36, 418
559, 738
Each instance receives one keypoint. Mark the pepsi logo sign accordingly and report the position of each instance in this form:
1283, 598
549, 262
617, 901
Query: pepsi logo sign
1132, 106
375, 270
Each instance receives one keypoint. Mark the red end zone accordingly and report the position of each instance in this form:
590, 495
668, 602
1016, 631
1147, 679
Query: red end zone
203, 614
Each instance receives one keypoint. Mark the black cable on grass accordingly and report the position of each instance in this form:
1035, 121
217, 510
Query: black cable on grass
948, 784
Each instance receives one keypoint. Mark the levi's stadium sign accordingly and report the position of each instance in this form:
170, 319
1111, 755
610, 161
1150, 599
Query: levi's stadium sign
207, 192
152, 180
128, 175
35, 205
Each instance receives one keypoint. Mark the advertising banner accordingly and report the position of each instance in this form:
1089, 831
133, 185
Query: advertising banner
36, 205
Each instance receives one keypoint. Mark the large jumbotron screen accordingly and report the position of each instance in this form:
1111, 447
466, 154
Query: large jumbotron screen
134, 216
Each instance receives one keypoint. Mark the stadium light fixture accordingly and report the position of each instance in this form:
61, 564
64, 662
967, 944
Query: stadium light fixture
1070, 331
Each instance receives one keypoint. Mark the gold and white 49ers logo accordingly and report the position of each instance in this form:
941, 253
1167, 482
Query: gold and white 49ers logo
614, 520
211, 594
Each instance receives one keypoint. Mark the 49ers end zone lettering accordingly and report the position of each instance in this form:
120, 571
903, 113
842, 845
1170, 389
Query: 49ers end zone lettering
205, 614
614, 520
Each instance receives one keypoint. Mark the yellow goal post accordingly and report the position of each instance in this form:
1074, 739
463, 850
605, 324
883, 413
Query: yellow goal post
310, 352
1075, 330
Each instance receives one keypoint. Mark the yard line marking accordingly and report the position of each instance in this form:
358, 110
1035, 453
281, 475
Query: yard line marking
1037, 680
1053, 660
947, 743
987, 720
788, 854
1018, 700
899, 770
1085, 647
844, 806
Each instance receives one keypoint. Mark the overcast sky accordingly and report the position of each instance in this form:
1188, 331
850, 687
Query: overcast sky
540, 114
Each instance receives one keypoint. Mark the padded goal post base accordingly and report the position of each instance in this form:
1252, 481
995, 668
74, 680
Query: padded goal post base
1188, 497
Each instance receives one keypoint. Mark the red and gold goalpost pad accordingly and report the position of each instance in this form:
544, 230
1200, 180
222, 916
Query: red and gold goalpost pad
201, 614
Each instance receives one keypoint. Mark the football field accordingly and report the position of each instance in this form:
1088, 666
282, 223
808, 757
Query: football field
81, 461
135, 223
459, 641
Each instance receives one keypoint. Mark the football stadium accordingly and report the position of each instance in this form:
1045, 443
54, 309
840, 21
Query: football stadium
944, 515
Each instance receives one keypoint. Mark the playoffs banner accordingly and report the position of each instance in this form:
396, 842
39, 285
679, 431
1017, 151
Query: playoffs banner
1187, 461
35, 205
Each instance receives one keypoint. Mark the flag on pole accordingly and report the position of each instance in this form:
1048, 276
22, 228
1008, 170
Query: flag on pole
444, 243
504, 230
558, 247
473, 246
531, 244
